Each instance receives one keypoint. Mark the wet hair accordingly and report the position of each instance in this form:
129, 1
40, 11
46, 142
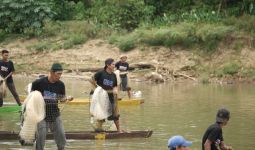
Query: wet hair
222, 115
5, 51
108, 61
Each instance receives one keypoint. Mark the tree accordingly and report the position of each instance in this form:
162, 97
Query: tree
18, 15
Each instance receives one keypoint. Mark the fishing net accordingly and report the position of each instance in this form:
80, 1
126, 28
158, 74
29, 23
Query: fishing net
2, 87
100, 109
33, 111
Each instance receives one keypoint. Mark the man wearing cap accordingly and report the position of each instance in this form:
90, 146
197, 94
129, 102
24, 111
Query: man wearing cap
178, 143
213, 137
53, 91
6, 71
123, 67
108, 81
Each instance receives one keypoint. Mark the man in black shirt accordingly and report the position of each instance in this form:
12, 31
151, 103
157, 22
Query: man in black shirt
213, 137
53, 91
123, 67
108, 81
6, 71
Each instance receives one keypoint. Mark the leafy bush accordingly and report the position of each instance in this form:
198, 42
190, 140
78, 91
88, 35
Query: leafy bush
231, 68
244, 23
127, 45
17, 15
2, 35
120, 14
210, 35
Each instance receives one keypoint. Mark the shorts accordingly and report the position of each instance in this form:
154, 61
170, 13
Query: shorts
124, 83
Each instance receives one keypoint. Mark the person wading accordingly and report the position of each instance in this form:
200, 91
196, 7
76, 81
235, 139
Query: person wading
107, 80
123, 67
213, 137
53, 91
6, 71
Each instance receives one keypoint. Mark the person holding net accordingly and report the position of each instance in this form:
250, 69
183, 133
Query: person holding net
6, 72
53, 92
105, 80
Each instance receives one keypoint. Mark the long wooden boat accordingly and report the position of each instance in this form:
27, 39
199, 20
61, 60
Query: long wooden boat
10, 108
86, 135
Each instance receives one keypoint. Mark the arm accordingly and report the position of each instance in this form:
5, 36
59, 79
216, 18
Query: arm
93, 82
207, 144
12, 70
225, 147
8, 75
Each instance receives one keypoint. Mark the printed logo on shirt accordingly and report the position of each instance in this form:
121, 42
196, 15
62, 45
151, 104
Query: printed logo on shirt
108, 82
123, 68
3, 68
49, 95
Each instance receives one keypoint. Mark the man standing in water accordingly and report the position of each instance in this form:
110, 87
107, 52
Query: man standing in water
123, 67
213, 137
53, 91
6, 71
108, 81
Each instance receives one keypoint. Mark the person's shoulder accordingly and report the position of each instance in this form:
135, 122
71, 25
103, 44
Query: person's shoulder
100, 71
44, 79
60, 82
215, 127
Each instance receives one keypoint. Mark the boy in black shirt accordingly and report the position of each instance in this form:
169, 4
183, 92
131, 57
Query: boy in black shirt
53, 91
6, 71
213, 137
123, 67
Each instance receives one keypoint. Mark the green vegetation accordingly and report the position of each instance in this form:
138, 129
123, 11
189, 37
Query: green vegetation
202, 25
62, 24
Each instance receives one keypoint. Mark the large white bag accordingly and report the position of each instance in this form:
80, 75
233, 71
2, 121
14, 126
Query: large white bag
100, 107
33, 111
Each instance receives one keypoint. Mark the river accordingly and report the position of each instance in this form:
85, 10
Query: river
186, 109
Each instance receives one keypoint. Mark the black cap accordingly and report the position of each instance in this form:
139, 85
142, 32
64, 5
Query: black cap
108, 62
222, 115
56, 67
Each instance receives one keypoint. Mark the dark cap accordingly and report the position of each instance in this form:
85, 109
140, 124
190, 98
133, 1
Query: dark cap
56, 67
222, 115
108, 61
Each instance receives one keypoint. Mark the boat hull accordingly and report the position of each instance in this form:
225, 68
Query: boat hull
86, 135
120, 102
10, 108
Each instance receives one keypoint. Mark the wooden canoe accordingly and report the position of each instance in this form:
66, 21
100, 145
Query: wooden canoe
86, 135
10, 108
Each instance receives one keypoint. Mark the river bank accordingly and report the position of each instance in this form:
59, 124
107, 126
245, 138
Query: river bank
169, 64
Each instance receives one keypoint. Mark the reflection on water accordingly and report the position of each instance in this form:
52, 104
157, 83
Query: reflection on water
169, 109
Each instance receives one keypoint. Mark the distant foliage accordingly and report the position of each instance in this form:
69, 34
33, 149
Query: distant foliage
18, 15
120, 14
231, 68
